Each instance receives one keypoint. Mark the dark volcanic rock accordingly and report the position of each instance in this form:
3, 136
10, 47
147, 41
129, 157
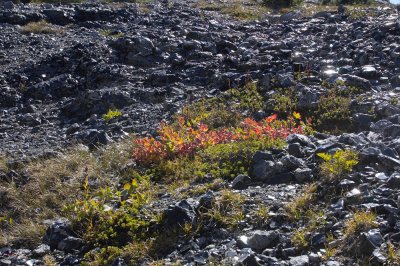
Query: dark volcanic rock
57, 232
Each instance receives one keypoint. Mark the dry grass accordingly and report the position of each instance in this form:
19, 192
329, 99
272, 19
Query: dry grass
242, 10
40, 27
361, 221
301, 204
259, 215
300, 238
226, 210
54, 183
393, 255
49, 260
308, 9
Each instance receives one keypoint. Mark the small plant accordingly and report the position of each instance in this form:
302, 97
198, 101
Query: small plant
393, 255
394, 101
111, 114
39, 27
100, 222
300, 205
314, 220
247, 97
336, 166
226, 210
361, 221
235, 8
281, 3
111, 33
260, 215
213, 112
285, 101
329, 252
333, 109
299, 239
49, 260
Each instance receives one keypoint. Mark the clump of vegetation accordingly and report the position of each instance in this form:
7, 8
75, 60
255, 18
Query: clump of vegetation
225, 161
393, 254
59, 181
394, 101
111, 114
336, 166
108, 217
300, 238
213, 112
329, 252
111, 33
333, 108
188, 140
285, 101
361, 221
314, 220
302, 209
226, 210
236, 9
281, 3
247, 97
297, 208
330, 113
260, 215
39, 27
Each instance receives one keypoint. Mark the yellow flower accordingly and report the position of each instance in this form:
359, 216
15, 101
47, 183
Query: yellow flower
296, 115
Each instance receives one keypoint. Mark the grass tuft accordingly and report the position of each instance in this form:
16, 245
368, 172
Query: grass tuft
40, 27
361, 221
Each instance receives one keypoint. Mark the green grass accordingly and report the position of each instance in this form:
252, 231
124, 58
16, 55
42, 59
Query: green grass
336, 166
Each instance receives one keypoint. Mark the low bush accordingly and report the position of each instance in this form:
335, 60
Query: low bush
189, 139
112, 114
214, 112
108, 217
336, 166
247, 97
333, 109
285, 101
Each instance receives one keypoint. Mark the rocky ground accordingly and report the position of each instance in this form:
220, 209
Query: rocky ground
148, 60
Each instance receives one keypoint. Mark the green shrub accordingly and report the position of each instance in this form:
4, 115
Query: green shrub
227, 210
224, 161
214, 112
247, 97
109, 217
111, 33
336, 166
229, 160
112, 114
285, 101
333, 109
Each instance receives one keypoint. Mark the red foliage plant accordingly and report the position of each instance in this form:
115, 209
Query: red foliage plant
188, 139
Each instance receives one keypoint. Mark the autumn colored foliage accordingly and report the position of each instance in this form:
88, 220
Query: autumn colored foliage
188, 139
